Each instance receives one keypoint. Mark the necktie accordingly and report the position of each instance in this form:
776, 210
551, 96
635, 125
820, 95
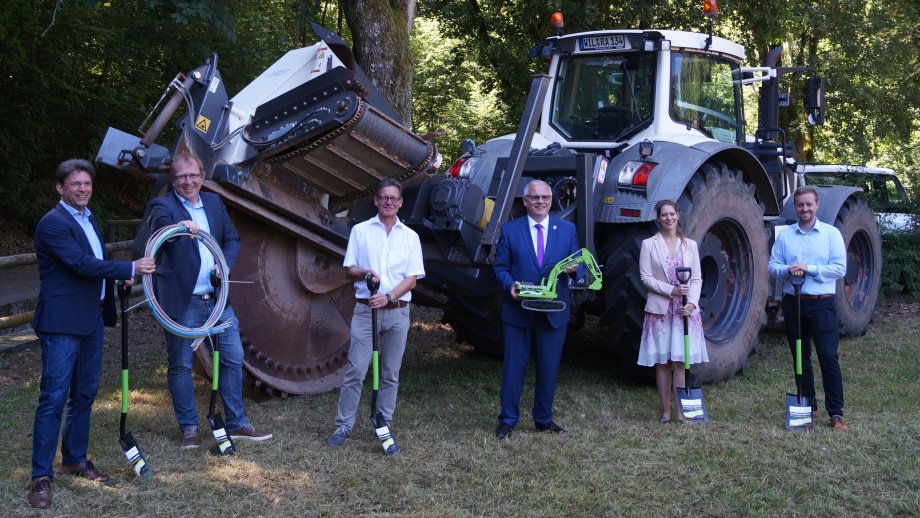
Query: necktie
539, 244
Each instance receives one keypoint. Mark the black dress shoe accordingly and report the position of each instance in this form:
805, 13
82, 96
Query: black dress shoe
550, 427
503, 431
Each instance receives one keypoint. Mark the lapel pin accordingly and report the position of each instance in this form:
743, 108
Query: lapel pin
554, 227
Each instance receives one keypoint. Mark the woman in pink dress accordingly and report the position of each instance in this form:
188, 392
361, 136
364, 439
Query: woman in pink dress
663, 329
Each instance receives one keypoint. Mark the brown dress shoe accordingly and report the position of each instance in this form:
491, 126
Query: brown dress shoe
837, 423
40, 493
87, 470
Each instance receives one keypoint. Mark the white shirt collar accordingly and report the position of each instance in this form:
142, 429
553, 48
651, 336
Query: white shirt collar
376, 219
531, 222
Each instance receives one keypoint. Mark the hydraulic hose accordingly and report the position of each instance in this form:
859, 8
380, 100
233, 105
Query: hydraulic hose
210, 326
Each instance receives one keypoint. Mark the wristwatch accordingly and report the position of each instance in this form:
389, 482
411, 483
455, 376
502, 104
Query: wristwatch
389, 299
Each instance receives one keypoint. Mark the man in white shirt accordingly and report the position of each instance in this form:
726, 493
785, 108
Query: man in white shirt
391, 252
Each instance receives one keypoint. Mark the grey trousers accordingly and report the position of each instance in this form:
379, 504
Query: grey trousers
393, 328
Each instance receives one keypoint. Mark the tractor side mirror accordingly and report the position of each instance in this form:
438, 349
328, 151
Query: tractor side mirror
814, 101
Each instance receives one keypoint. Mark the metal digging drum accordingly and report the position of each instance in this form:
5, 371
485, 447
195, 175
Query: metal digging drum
295, 305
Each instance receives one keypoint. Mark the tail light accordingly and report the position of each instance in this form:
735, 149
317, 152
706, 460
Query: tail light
635, 173
461, 168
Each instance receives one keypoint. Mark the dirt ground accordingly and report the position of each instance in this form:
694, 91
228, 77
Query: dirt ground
14, 240
147, 350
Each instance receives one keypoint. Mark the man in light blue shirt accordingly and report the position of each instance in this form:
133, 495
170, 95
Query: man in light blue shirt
816, 251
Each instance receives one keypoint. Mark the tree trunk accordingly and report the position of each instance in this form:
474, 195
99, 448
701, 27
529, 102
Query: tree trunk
380, 33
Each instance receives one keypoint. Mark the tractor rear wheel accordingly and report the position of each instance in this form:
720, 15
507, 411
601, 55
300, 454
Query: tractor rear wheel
857, 291
720, 212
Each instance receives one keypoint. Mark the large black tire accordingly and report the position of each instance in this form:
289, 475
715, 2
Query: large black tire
623, 293
857, 291
477, 321
721, 213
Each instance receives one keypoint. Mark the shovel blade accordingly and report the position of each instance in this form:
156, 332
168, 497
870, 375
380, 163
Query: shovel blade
219, 430
134, 456
387, 441
798, 413
691, 403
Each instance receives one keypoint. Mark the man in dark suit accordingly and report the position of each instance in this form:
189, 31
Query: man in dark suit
527, 250
75, 301
185, 292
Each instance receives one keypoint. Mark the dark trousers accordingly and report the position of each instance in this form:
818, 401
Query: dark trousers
547, 343
819, 325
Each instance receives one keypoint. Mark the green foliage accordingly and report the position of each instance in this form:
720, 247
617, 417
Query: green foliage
901, 253
865, 51
449, 94
69, 70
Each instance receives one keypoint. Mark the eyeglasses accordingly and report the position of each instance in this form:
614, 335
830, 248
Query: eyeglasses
538, 197
182, 178
77, 185
389, 199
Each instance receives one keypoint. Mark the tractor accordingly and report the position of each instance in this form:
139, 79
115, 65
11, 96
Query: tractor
621, 120
626, 118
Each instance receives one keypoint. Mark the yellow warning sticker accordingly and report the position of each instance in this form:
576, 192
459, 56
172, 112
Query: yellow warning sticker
202, 124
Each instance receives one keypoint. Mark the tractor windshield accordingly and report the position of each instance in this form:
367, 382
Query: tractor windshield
704, 95
603, 97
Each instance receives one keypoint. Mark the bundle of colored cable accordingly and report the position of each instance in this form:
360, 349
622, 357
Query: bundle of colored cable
209, 327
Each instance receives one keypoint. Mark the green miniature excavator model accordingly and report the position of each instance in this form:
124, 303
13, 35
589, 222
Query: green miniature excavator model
541, 297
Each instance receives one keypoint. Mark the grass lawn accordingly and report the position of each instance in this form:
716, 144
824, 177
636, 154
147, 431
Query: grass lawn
616, 459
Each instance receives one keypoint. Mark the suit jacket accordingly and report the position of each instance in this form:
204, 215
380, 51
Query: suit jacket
72, 277
179, 261
516, 260
653, 270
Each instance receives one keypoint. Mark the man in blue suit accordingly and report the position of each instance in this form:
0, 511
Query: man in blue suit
75, 301
527, 250
185, 293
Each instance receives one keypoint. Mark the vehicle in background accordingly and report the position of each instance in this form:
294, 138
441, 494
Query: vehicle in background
881, 187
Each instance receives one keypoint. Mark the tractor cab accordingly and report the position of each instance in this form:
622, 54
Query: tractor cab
615, 87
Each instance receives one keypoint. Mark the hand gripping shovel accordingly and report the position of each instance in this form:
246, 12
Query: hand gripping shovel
216, 421
690, 400
128, 444
387, 442
798, 408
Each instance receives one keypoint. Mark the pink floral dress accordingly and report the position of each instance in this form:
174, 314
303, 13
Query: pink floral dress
663, 335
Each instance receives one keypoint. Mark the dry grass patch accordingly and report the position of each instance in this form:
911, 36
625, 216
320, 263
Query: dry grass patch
615, 460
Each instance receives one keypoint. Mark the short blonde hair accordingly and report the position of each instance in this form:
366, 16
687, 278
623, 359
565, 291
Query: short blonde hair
185, 156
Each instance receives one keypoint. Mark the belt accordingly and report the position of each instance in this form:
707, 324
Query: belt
392, 305
204, 296
816, 297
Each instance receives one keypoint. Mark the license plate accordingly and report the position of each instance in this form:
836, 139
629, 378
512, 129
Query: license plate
613, 41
